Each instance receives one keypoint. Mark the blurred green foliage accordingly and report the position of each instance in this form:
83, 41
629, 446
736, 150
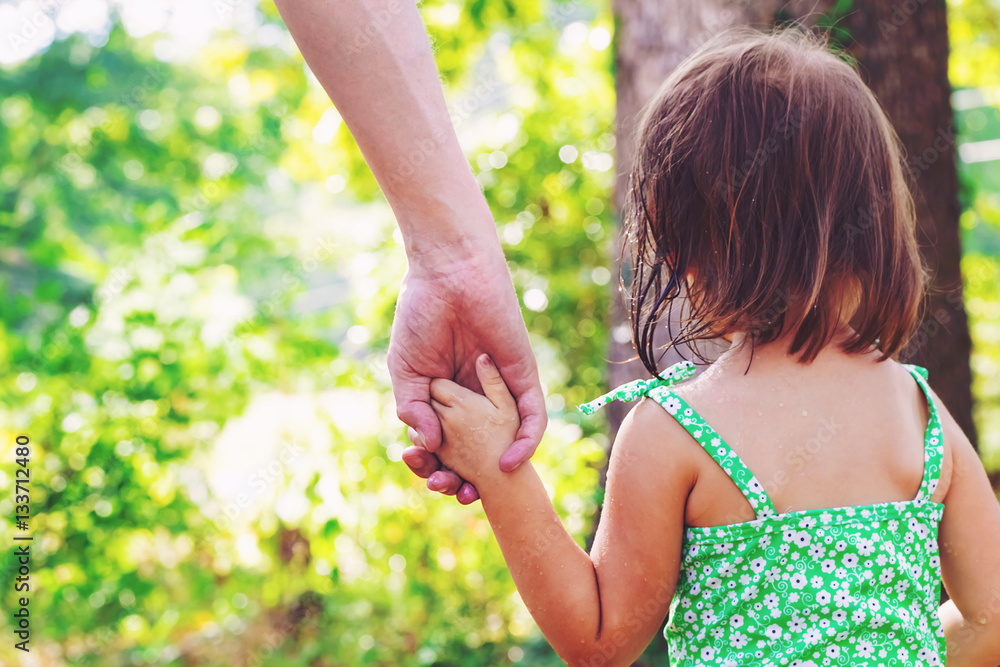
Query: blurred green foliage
199, 276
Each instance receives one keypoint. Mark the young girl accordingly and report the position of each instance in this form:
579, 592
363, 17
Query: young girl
800, 501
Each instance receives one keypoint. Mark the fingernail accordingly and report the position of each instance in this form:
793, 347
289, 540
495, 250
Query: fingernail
485, 360
415, 437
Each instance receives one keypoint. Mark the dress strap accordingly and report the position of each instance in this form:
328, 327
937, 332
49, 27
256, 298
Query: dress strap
630, 391
659, 390
933, 441
718, 449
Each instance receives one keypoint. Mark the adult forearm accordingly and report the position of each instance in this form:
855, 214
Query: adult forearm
375, 62
554, 575
970, 644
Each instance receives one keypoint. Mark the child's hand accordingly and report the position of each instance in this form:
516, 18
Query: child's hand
477, 429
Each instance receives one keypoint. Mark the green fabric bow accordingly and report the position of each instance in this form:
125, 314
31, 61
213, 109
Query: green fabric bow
630, 391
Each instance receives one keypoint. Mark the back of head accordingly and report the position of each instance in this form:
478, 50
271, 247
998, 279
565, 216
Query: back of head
770, 183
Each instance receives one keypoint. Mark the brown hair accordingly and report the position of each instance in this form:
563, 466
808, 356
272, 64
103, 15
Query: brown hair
769, 183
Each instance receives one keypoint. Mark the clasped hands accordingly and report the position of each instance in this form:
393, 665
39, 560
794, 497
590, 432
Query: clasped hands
477, 428
454, 308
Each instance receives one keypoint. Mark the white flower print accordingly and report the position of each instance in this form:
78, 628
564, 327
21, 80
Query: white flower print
736, 620
798, 581
823, 597
841, 598
865, 547
739, 640
672, 405
757, 565
812, 636
828, 565
773, 631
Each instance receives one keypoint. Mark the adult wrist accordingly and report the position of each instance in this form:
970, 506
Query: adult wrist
445, 247
456, 225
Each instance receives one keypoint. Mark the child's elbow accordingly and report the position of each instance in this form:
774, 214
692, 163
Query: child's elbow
598, 658
611, 649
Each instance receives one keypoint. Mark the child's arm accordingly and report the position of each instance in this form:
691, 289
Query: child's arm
608, 604
969, 538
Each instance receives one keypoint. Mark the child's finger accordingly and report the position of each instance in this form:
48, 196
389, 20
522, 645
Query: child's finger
439, 408
493, 385
447, 392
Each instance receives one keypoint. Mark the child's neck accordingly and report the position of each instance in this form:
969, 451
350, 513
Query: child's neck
776, 351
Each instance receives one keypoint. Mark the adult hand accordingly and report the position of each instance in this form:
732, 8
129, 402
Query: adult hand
450, 311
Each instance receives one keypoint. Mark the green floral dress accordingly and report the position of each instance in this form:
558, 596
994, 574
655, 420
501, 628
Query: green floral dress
839, 586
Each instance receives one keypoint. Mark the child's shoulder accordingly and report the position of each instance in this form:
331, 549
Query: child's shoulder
652, 451
650, 430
